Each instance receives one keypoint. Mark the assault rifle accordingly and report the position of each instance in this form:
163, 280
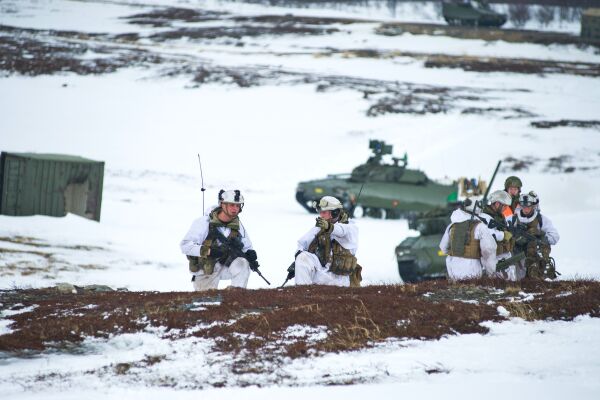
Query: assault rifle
291, 273
233, 249
522, 240
291, 270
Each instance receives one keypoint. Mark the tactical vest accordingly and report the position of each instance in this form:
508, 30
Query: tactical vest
502, 245
462, 240
328, 251
207, 261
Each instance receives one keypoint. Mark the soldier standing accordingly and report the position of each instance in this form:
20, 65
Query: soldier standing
512, 186
326, 253
469, 244
493, 214
538, 263
210, 241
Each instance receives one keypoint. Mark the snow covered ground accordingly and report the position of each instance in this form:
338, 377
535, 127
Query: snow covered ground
264, 139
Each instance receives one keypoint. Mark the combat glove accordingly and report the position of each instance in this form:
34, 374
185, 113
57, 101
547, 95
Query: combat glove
521, 241
507, 236
324, 224
251, 255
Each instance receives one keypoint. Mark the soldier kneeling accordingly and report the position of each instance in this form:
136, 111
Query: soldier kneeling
469, 244
218, 247
326, 253
541, 235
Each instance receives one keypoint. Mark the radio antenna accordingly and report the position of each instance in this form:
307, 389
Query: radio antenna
203, 189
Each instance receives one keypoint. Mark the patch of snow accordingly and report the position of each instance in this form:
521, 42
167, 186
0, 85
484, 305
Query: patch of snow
503, 311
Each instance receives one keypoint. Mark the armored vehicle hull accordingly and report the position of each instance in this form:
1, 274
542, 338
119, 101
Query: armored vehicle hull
377, 199
419, 257
472, 14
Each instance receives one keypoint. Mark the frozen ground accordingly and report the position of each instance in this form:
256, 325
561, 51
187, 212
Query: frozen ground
264, 139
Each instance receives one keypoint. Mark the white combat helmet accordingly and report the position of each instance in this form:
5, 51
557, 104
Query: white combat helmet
530, 199
328, 203
500, 196
231, 196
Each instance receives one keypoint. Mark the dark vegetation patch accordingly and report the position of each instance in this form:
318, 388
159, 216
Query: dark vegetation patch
239, 31
575, 123
290, 19
165, 16
234, 27
487, 34
515, 65
511, 163
253, 325
30, 55
385, 97
35, 52
481, 64
504, 112
563, 163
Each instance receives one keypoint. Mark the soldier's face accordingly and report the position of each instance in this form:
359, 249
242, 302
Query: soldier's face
326, 215
527, 210
499, 207
513, 191
230, 209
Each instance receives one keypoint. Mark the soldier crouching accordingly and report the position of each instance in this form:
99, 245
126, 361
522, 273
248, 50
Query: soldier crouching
469, 244
218, 247
541, 234
326, 253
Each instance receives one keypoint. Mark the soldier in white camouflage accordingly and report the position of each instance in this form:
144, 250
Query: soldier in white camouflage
541, 235
469, 245
218, 247
326, 253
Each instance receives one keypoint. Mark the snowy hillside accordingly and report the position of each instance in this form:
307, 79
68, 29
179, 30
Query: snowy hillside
269, 100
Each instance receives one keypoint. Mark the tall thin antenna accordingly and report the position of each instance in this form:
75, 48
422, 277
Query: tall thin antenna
203, 189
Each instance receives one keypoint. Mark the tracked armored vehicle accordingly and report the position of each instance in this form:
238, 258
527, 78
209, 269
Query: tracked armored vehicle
379, 189
471, 13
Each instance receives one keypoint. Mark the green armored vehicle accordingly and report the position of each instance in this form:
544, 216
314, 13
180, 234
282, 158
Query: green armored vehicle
419, 257
379, 189
471, 13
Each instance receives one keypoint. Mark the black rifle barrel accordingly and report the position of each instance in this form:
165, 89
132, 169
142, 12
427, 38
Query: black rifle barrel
487, 191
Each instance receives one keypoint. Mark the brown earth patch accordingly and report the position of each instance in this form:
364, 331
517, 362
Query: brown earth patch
255, 323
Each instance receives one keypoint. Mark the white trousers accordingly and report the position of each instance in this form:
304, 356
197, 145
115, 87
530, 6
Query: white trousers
460, 268
309, 271
238, 272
